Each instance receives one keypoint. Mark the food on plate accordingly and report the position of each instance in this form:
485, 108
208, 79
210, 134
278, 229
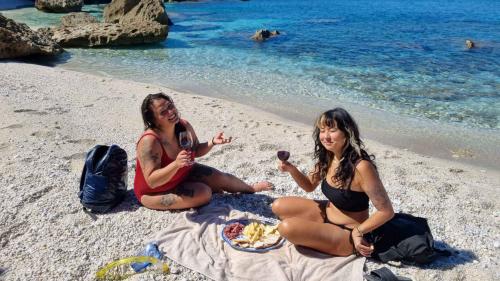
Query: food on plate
233, 230
254, 235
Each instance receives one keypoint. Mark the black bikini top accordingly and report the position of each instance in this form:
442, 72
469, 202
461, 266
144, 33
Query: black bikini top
346, 200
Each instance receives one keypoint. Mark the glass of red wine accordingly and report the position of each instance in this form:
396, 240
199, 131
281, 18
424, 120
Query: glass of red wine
283, 155
186, 141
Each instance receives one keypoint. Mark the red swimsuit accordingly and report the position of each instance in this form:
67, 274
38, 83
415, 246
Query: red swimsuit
140, 185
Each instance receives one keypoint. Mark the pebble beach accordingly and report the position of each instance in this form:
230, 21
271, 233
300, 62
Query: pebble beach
52, 117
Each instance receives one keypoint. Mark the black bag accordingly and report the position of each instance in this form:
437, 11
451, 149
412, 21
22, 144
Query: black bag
103, 184
405, 238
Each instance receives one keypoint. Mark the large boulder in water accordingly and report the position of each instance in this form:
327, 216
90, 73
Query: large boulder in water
59, 6
263, 34
131, 11
74, 19
18, 40
108, 34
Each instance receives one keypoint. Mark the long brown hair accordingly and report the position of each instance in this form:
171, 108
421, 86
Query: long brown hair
353, 151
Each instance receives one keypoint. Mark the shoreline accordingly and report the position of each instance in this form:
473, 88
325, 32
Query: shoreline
53, 116
446, 141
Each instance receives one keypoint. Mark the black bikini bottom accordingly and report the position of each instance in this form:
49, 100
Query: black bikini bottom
372, 237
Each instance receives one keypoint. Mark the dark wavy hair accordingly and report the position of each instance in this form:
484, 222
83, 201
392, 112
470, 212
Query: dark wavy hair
148, 116
352, 153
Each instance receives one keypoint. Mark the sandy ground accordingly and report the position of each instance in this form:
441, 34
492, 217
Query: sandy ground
51, 117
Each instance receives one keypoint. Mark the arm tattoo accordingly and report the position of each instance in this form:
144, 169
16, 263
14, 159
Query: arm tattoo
168, 200
155, 158
380, 199
148, 155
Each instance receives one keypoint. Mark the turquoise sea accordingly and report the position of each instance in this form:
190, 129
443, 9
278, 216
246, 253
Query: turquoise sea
401, 67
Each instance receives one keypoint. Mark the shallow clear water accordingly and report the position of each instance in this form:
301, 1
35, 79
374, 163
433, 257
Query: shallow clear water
404, 59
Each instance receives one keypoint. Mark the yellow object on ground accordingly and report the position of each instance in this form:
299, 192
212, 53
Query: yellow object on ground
120, 269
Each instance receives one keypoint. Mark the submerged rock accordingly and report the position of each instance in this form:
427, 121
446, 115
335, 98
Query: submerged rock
263, 34
109, 34
18, 40
73, 19
131, 11
59, 6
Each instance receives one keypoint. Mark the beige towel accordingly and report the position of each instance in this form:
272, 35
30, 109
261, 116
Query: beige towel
194, 240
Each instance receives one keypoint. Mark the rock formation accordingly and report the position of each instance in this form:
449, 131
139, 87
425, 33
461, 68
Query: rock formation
108, 34
74, 19
126, 22
59, 6
469, 44
129, 11
18, 40
263, 34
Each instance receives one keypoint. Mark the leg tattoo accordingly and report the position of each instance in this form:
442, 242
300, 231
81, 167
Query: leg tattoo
168, 199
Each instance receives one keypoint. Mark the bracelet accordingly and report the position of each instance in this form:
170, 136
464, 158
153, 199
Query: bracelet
213, 143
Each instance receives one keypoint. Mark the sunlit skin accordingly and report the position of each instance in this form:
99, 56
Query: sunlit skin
303, 220
201, 182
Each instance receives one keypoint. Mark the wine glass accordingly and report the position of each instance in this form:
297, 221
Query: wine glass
185, 140
283, 155
186, 143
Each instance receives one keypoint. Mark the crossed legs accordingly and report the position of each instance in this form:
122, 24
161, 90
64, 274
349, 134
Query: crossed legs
198, 188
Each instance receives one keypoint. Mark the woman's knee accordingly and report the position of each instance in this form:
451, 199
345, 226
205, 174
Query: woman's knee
277, 206
287, 228
203, 193
281, 206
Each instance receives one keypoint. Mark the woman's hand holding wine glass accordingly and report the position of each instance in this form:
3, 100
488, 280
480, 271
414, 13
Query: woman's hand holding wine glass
183, 159
283, 164
186, 143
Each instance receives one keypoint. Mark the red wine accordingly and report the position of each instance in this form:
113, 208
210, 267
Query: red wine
283, 155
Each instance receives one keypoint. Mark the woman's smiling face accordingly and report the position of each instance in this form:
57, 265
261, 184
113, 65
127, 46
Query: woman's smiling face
165, 111
332, 138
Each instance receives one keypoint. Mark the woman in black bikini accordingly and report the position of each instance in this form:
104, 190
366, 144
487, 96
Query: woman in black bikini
349, 179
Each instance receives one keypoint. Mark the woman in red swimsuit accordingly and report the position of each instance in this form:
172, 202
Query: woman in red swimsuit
165, 176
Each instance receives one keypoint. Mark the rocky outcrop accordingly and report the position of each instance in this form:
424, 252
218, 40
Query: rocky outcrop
108, 34
127, 22
74, 19
469, 44
18, 40
263, 34
131, 11
59, 6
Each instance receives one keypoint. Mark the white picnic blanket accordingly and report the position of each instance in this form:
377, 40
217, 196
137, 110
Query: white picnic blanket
194, 241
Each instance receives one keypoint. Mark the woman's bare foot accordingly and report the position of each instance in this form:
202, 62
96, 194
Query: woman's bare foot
262, 186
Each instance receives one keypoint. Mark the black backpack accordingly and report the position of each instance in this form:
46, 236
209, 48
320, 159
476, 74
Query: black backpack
407, 239
103, 184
